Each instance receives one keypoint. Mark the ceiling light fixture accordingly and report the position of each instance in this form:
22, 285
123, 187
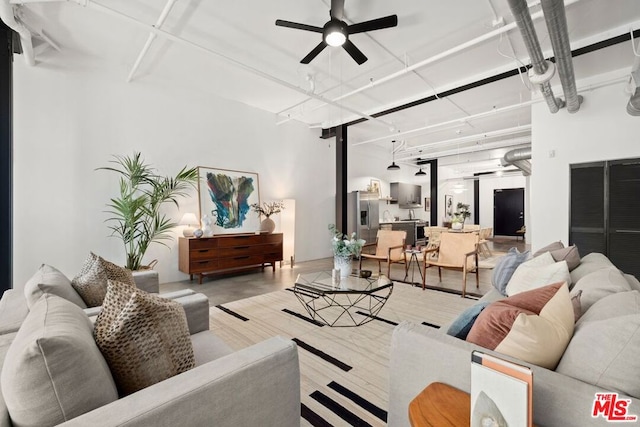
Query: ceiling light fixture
393, 166
335, 33
420, 172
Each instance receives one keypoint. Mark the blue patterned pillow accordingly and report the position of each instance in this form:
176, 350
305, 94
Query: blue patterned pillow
462, 325
505, 268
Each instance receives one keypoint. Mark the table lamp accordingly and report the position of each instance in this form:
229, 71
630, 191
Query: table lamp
189, 219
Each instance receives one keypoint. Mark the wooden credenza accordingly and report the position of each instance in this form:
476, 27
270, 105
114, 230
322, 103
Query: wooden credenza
226, 253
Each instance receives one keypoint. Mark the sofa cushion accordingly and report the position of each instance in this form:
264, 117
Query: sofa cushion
461, 326
207, 347
588, 264
550, 247
51, 280
505, 267
13, 310
614, 305
53, 370
534, 326
145, 342
569, 254
537, 272
91, 282
605, 353
599, 284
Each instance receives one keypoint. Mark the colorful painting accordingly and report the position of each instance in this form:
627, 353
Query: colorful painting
225, 200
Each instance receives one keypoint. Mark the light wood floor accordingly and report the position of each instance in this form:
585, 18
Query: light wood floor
222, 289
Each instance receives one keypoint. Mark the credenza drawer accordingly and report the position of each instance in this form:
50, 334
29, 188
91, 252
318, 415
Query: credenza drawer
239, 261
203, 253
240, 240
203, 243
239, 250
203, 265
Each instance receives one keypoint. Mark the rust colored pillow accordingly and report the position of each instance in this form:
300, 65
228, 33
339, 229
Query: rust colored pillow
535, 326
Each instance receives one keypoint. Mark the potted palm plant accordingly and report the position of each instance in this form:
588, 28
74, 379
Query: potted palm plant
135, 211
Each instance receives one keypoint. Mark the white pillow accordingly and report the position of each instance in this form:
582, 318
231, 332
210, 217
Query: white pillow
540, 271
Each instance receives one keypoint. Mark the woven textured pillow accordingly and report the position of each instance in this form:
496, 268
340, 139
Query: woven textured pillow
533, 326
146, 342
91, 282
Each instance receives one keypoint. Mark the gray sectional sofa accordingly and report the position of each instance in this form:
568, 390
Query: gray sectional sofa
259, 385
601, 356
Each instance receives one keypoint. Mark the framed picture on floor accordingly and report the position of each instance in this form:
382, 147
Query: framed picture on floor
225, 198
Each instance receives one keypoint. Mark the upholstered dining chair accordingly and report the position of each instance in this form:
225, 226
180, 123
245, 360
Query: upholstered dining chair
457, 251
389, 247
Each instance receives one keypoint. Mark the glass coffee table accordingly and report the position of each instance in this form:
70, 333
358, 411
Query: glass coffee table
352, 302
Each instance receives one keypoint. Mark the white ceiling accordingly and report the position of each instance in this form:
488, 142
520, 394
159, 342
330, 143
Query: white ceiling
234, 50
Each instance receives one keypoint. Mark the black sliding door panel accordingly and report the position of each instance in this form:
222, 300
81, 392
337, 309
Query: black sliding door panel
587, 209
624, 216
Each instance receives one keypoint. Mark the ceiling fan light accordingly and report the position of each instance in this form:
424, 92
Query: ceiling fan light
393, 167
335, 38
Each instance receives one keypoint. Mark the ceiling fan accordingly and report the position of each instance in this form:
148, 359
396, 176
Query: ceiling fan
336, 32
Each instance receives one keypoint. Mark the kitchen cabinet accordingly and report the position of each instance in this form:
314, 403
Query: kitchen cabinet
406, 195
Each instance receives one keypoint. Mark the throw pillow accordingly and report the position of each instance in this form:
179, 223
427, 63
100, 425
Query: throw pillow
462, 325
53, 370
505, 268
50, 280
550, 247
147, 342
533, 326
569, 254
539, 271
91, 282
599, 284
605, 353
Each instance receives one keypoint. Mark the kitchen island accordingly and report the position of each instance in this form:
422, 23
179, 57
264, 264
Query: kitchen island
414, 229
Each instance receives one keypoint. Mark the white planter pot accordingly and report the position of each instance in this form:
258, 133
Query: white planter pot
343, 264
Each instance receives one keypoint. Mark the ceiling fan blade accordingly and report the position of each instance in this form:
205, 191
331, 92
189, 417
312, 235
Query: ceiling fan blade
355, 53
374, 24
337, 10
298, 26
316, 50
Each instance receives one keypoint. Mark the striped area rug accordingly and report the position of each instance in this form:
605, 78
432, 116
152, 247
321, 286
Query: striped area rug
344, 371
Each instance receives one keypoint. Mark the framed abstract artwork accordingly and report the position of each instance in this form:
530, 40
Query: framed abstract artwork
448, 206
226, 197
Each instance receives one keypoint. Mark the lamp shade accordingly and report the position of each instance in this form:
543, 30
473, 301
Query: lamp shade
393, 167
189, 219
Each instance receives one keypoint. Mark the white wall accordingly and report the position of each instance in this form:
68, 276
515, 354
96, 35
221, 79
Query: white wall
601, 130
69, 120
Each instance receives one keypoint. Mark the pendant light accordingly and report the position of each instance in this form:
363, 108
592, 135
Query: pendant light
393, 166
420, 172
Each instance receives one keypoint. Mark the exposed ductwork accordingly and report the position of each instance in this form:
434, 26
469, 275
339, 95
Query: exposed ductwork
519, 158
556, 19
633, 106
542, 70
8, 16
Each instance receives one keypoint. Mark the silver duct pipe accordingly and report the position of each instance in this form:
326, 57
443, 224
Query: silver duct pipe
542, 70
7, 14
519, 158
633, 106
556, 19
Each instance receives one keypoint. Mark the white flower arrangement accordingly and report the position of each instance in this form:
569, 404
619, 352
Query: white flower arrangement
343, 245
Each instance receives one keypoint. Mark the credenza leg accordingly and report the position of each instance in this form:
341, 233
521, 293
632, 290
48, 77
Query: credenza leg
200, 279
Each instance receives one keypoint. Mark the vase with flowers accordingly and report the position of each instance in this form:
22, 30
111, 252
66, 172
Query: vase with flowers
267, 209
345, 248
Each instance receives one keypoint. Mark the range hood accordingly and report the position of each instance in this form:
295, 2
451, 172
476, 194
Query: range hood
407, 196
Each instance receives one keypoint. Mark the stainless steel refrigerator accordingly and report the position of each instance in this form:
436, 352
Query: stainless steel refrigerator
362, 215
